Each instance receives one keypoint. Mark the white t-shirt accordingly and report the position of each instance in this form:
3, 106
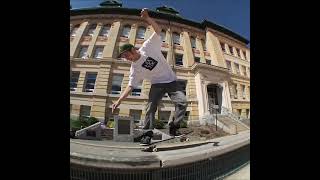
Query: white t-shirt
151, 65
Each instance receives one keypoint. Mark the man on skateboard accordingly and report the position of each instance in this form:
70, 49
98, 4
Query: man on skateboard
149, 63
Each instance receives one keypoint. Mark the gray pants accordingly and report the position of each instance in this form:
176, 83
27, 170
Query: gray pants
156, 93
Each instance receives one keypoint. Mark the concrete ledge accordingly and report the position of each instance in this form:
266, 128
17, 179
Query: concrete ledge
148, 162
207, 151
130, 156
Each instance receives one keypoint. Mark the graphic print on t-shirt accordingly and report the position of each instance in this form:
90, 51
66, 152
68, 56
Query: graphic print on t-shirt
150, 63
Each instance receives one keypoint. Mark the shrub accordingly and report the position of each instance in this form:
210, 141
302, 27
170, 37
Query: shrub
92, 120
110, 124
159, 124
184, 124
75, 124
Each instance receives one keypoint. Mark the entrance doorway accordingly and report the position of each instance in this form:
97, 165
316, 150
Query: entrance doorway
214, 95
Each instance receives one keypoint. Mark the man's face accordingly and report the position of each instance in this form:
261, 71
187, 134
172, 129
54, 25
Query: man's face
129, 55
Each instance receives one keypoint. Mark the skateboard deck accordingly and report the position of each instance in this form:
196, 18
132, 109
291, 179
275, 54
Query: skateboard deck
152, 147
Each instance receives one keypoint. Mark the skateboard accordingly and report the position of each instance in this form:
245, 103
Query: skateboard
152, 147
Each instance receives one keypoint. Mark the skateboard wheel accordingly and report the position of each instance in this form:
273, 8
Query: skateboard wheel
187, 139
155, 150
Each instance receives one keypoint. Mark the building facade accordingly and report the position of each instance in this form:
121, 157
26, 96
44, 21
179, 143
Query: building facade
212, 62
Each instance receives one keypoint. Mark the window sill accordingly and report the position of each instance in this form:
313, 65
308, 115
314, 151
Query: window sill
239, 75
235, 57
240, 100
129, 96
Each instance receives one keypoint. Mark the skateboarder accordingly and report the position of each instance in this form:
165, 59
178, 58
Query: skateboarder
149, 63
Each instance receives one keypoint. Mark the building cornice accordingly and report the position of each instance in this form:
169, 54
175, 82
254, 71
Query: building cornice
136, 12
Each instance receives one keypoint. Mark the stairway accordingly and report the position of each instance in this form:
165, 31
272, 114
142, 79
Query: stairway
230, 122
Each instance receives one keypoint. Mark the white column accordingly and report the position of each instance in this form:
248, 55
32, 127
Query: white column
200, 95
226, 101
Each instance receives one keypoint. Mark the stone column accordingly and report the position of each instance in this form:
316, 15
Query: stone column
109, 48
93, 40
200, 95
170, 55
214, 48
74, 44
188, 53
248, 55
226, 100
132, 34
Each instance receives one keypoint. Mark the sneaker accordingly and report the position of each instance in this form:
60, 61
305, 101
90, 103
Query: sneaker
148, 133
141, 134
177, 133
173, 131
145, 141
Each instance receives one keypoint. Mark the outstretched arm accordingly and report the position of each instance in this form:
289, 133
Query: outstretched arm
123, 96
145, 15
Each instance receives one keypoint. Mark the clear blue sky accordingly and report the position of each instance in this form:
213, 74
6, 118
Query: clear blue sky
232, 14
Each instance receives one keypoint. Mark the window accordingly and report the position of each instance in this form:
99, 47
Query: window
186, 116
74, 80
193, 42
208, 61
235, 91
239, 112
178, 58
90, 81
137, 90
91, 29
163, 36
164, 53
135, 114
229, 65
98, 52
197, 59
230, 49
105, 30
223, 47
74, 30
247, 113
237, 68
164, 115
83, 52
176, 38
141, 32
244, 70
183, 84
243, 91
85, 112
238, 52
116, 83
126, 31
204, 45
244, 54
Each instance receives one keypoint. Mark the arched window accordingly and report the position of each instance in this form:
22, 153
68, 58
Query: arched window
126, 31
193, 42
176, 38
141, 32
74, 30
163, 36
105, 30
